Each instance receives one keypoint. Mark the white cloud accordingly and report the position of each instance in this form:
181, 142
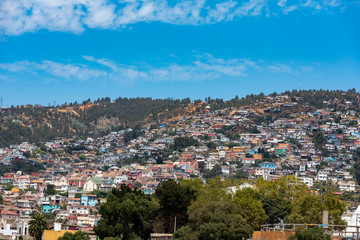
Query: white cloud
20, 16
204, 67
282, 3
290, 9
279, 68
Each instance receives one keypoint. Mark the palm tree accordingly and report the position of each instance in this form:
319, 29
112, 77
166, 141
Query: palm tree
37, 225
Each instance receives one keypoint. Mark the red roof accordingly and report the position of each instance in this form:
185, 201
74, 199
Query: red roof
4, 212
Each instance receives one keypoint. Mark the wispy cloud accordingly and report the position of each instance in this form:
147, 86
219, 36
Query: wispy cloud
204, 67
20, 16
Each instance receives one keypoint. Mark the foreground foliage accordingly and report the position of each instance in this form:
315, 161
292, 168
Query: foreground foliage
79, 235
126, 214
37, 225
215, 210
315, 233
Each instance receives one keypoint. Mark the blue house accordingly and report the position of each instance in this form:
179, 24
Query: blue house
47, 208
88, 200
268, 165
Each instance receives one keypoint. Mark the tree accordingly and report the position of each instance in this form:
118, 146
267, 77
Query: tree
137, 185
289, 200
79, 235
183, 142
174, 200
215, 171
315, 233
215, 220
240, 174
27, 154
50, 189
37, 225
214, 215
319, 139
251, 209
276, 208
126, 214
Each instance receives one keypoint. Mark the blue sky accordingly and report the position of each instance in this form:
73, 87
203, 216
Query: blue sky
71, 50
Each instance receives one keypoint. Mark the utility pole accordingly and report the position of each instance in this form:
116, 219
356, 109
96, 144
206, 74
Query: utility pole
357, 229
175, 225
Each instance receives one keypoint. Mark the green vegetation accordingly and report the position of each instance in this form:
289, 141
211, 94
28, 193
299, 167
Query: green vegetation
213, 211
315, 233
215, 171
19, 165
37, 225
79, 235
174, 200
126, 214
183, 142
50, 190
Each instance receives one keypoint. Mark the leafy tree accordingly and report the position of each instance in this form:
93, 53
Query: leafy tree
315, 233
27, 154
240, 174
183, 142
159, 160
126, 214
174, 200
79, 235
211, 145
215, 171
37, 225
9, 186
276, 208
251, 208
288, 199
319, 139
214, 215
50, 189
137, 185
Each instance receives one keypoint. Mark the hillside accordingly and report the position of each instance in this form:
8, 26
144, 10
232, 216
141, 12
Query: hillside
39, 123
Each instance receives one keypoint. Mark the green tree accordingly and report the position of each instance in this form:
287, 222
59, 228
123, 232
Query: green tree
251, 208
319, 139
126, 214
240, 174
50, 189
79, 235
183, 142
174, 200
315, 233
9, 186
214, 215
276, 208
37, 225
215, 171
137, 185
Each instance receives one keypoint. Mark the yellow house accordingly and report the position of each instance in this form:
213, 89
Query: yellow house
257, 156
14, 189
54, 235
238, 149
